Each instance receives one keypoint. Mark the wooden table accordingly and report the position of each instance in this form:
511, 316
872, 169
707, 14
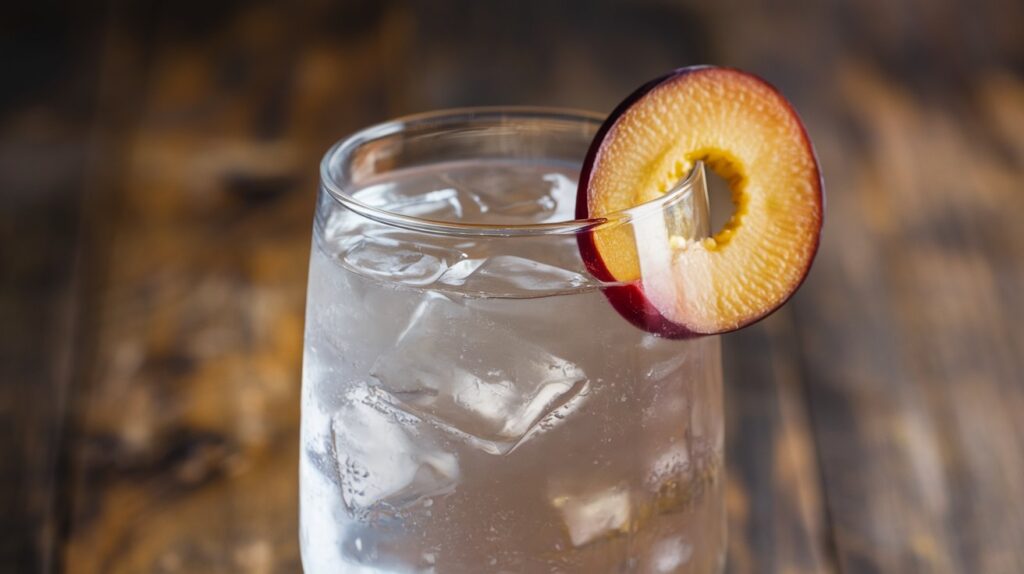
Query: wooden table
159, 164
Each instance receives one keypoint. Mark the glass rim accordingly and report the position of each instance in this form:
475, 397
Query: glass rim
438, 119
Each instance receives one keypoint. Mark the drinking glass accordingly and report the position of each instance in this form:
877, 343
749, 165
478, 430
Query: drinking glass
471, 400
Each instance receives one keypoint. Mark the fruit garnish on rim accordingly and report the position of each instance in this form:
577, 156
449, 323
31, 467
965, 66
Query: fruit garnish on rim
746, 131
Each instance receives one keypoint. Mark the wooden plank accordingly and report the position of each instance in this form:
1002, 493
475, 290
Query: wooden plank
37, 247
909, 327
186, 429
777, 520
44, 149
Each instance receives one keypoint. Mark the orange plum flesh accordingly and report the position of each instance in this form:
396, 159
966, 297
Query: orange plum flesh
748, 133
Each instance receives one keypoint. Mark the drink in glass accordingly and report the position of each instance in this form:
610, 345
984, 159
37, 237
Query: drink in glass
471, 401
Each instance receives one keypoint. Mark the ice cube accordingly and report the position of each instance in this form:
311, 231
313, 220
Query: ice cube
562, 194
475, 377
502, 273
594, 515
668, 367
510, 194
670, 554
386, 252
445, 204
457, 274
385, 460
673, 464
397, 256
437, 204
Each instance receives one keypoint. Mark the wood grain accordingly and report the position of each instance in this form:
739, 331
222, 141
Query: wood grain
915, 378
38, 231
874, 425
45, 110
776, 513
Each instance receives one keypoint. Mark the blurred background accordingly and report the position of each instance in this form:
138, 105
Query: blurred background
158, 167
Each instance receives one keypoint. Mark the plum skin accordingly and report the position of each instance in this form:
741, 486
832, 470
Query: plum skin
629, 299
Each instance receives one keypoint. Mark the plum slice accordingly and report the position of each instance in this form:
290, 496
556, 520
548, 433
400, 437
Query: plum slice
746, 131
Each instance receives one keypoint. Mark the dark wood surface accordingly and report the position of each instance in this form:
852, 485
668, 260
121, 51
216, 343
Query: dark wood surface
158, 164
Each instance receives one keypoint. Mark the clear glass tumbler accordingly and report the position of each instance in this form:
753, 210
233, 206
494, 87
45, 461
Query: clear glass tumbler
471, 401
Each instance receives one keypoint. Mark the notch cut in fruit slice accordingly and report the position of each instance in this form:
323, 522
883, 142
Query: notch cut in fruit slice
746, 131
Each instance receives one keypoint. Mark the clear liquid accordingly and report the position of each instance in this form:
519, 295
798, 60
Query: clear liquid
467, 410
